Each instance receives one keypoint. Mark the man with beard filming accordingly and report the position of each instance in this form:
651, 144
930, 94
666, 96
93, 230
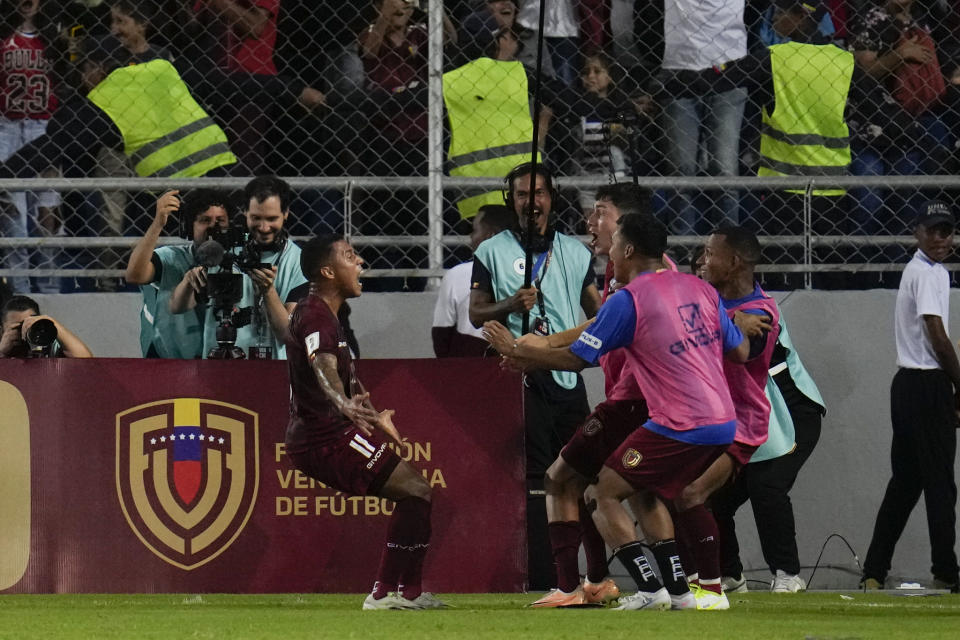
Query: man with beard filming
158, 270
562, 282
246, 278
27, 334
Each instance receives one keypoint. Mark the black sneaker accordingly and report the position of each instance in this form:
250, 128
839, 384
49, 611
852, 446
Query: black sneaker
871, 584
952, 587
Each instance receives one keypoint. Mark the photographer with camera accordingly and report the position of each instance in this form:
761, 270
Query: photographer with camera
246, 278
159, 270
27, 334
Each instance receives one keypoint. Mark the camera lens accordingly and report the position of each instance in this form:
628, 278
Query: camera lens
41, 334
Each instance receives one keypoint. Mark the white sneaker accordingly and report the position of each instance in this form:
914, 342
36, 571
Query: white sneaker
392, 600
731, 584
785, 583
686, 601
658, 601
709, 601
427, 600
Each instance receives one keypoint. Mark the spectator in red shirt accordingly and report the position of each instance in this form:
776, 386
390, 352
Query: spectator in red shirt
250, 31
27, 100
244, 33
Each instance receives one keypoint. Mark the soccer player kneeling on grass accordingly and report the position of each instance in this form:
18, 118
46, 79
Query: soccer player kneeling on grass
335, 434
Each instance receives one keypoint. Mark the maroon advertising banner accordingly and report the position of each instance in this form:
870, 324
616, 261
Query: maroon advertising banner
170, 476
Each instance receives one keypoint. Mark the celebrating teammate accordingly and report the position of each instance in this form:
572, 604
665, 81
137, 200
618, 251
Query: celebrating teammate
337, 437
673, 331
599, 435
728, 262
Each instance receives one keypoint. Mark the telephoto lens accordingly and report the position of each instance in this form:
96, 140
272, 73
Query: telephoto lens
41, 334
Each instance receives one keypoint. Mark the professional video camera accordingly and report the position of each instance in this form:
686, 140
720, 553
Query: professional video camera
630, 130
225, 286
626, 118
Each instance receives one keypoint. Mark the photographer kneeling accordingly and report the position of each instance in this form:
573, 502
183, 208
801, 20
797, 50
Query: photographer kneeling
247, 278
27, 334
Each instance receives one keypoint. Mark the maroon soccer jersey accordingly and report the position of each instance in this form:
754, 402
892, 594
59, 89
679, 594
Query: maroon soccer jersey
314, 420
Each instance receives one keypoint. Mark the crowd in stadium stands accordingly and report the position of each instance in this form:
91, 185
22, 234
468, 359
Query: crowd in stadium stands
629, 87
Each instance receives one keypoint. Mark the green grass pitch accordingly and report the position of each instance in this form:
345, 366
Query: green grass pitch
819, 615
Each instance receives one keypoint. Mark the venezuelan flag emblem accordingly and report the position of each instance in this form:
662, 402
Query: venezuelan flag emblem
187, 476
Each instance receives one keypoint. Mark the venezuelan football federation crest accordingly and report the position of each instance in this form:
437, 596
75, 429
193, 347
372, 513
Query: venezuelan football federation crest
187, 476
631, 458
592, 426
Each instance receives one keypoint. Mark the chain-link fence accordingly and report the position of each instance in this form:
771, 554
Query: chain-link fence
384, 111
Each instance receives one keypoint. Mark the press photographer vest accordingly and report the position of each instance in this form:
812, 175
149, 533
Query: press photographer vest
782, 434
490, 124
806, 135
561, 281
172, 335
165, 132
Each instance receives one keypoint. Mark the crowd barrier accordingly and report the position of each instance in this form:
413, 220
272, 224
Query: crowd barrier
96, 497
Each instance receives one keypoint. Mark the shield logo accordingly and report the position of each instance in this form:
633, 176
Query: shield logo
188, 471
592, 426
631, 458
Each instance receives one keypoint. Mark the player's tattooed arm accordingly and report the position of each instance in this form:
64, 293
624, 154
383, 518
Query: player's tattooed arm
356, 408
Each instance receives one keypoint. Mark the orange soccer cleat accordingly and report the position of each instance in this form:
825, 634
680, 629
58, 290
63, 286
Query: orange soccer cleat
557, 598
601, 592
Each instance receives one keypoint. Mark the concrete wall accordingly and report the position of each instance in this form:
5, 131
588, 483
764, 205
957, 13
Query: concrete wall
844, 338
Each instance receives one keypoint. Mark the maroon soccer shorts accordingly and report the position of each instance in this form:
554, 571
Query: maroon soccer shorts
357, 463
650, 461
601, 433
741, 454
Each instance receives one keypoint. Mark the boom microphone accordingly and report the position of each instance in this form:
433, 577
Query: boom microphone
210, 253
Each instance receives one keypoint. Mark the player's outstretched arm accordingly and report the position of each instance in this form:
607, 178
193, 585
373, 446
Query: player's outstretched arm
505, 340
568, 337
527, 356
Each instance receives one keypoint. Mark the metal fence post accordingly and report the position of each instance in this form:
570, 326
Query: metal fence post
808, 235
435, 139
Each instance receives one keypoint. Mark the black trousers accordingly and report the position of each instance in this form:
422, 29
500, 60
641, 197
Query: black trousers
551, 416
767, 485
922, 457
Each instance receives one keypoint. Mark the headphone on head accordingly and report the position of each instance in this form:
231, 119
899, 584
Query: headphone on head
525, 169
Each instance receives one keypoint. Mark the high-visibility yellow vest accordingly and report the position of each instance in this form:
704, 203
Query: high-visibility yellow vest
165, 132
490, 124
806, 134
